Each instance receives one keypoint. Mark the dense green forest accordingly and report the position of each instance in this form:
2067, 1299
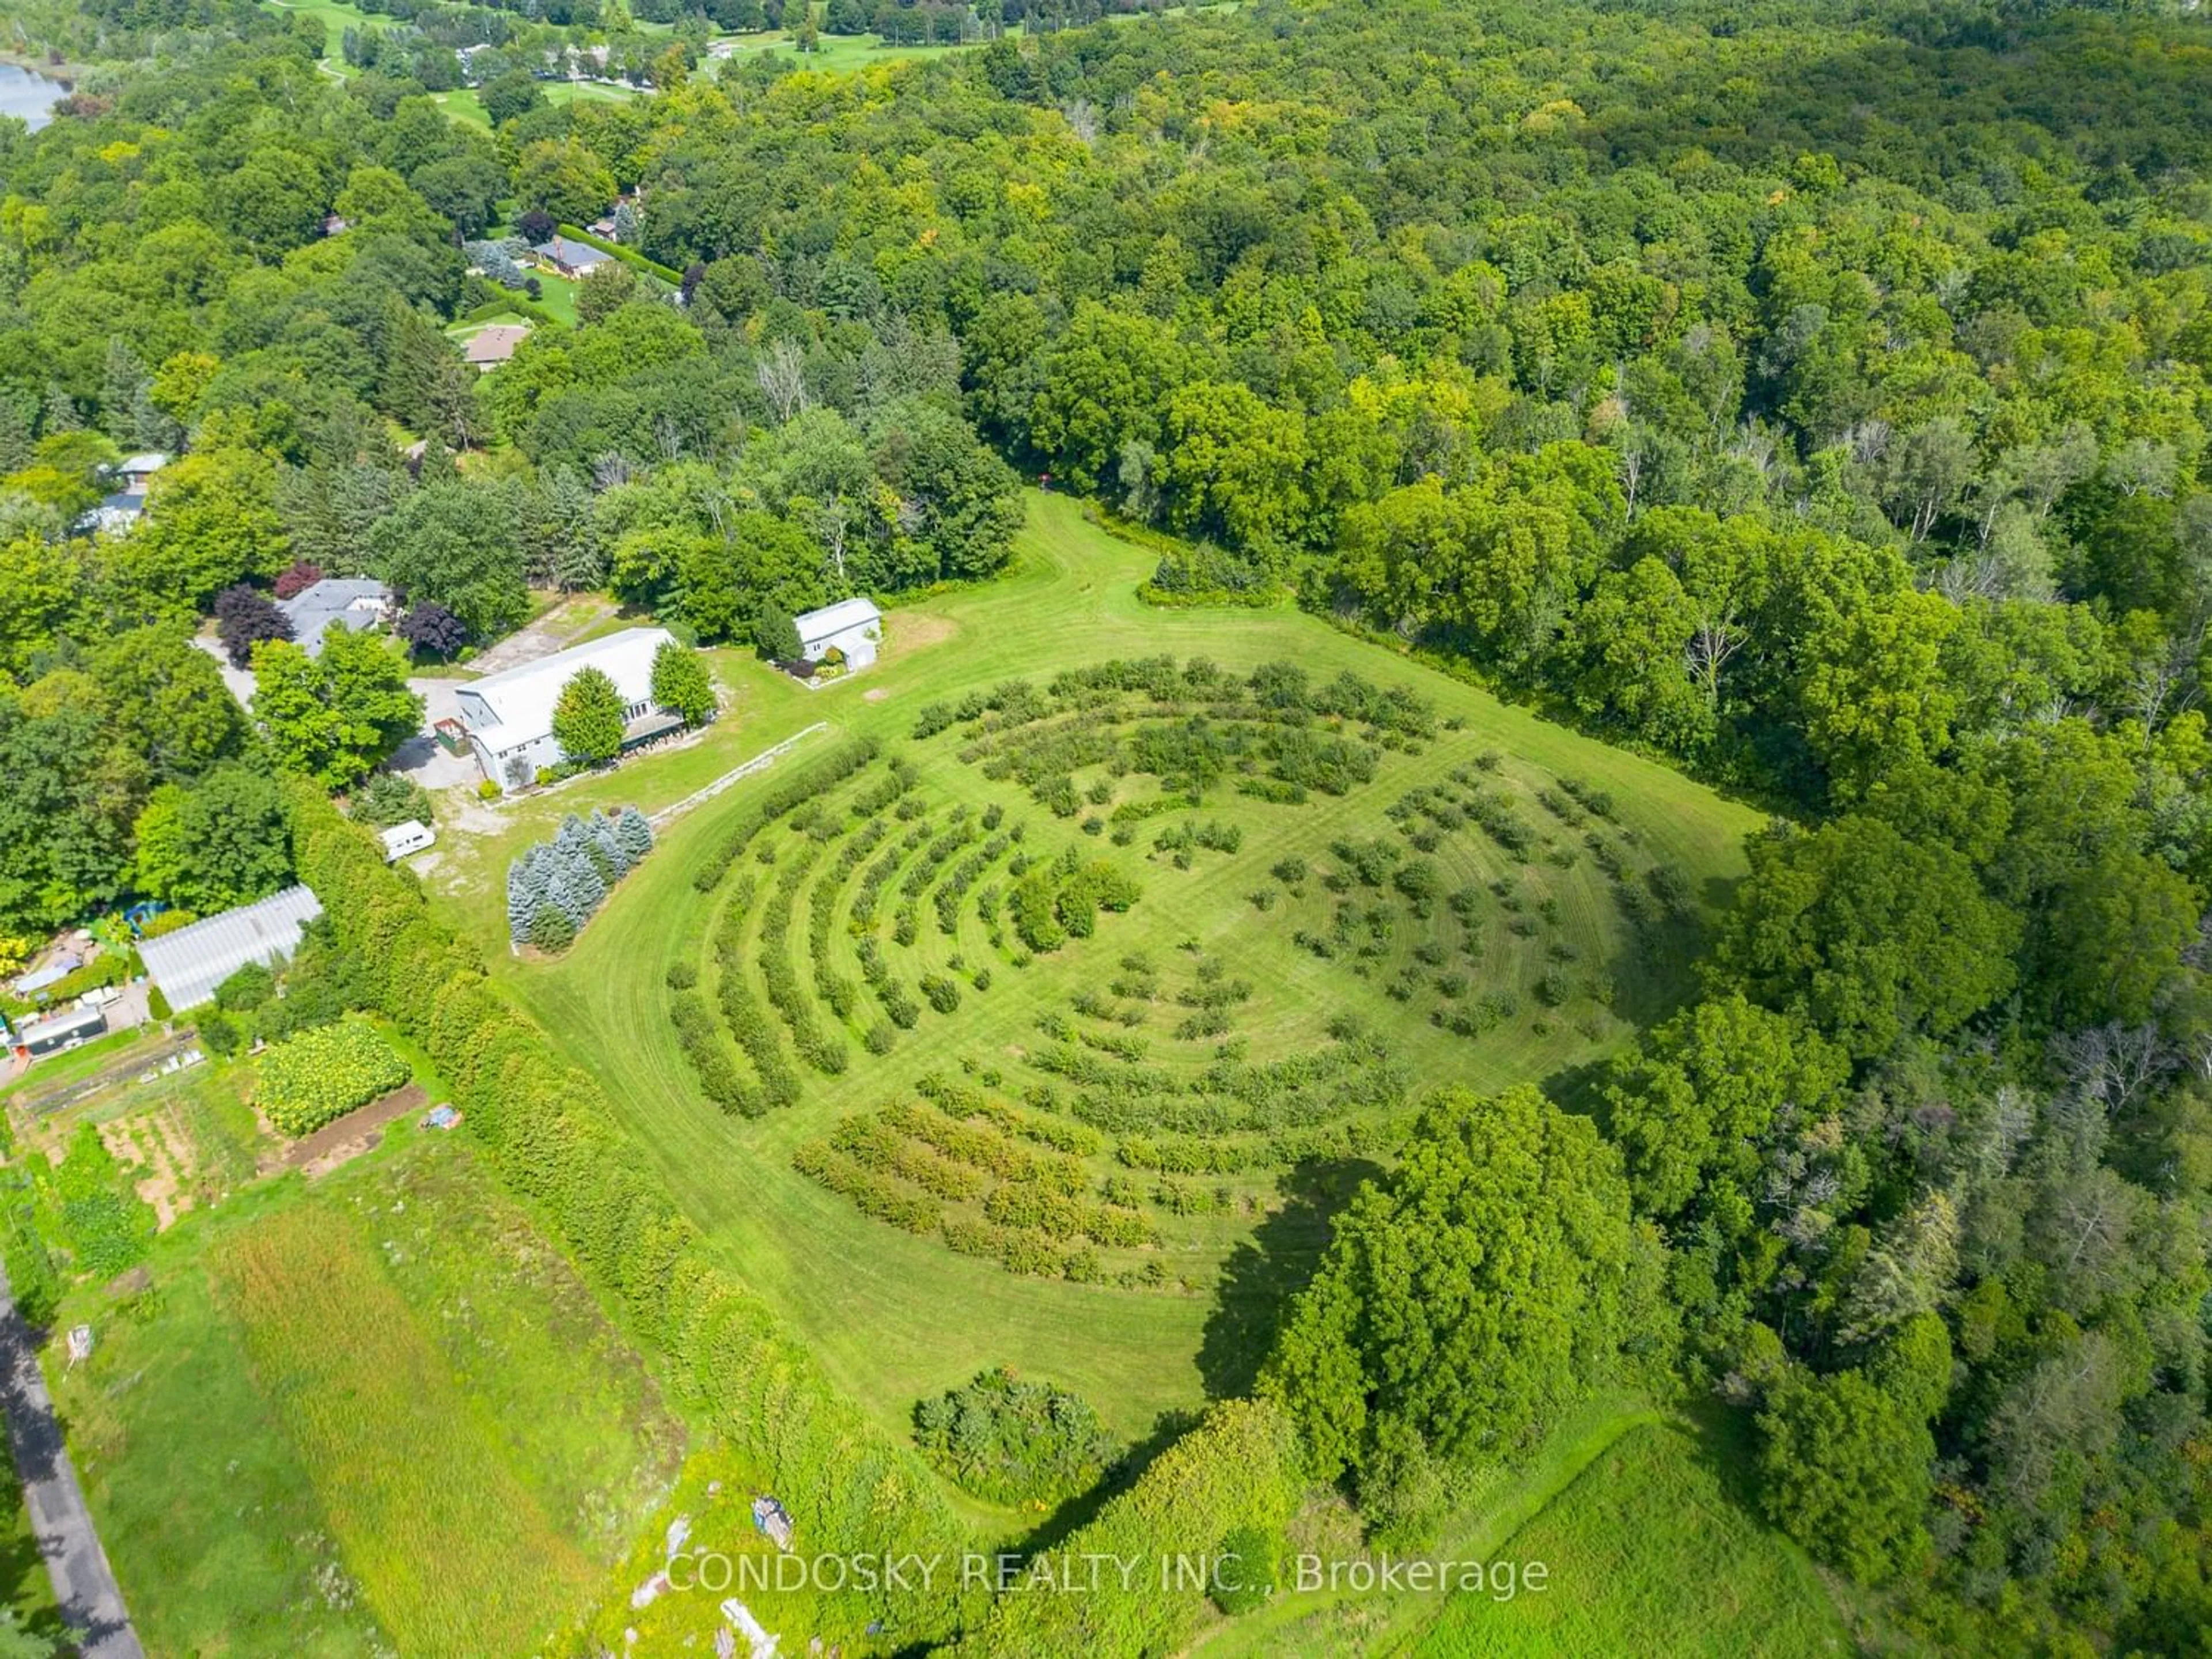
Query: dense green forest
1817, 397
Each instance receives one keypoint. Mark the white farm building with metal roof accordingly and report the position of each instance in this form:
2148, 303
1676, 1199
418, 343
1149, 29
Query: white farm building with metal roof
509, 715
852, 627
187, 966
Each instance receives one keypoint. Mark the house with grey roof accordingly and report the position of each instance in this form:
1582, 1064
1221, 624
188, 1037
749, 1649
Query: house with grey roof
569, 257
359, 602
124, 508
850, 628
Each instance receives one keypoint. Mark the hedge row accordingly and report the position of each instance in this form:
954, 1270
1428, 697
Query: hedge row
553, 1138
1212, 1156
702, 1043
1022, 1251
1024, 1204
871, 1194
874, 1144
821, 1049
962, 1100
802, 787
986, 1148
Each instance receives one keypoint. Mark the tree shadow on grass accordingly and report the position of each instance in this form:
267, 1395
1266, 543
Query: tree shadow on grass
1727, 1443
1580, 1088
1655, 973
1257, 1283
1265, 1272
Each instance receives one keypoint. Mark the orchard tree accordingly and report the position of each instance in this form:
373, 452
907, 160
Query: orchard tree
587, 718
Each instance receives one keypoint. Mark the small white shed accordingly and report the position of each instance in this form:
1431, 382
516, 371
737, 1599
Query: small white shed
854, 627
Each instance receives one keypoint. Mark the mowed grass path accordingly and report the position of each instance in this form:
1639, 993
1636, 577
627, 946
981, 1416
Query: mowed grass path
892, 1316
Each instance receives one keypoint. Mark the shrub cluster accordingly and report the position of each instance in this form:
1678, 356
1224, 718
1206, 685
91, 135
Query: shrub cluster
876, 875
955, 886
1011, 1442
897, 1000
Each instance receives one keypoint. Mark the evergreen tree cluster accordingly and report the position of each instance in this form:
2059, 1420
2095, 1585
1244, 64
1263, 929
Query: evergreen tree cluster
554, 887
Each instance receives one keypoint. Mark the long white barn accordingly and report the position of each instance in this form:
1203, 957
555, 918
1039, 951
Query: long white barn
509, 715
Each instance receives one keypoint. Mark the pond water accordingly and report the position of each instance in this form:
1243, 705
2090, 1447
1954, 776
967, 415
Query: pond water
29, 95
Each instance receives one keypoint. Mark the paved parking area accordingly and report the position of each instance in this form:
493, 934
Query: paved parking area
423, 757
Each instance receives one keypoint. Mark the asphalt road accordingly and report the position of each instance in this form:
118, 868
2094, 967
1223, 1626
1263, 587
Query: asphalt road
84, 1584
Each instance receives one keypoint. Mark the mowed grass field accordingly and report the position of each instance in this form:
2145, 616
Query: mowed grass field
375, 1413
895, 1316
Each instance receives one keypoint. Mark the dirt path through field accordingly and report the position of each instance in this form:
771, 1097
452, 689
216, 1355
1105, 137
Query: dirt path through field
347, 1137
